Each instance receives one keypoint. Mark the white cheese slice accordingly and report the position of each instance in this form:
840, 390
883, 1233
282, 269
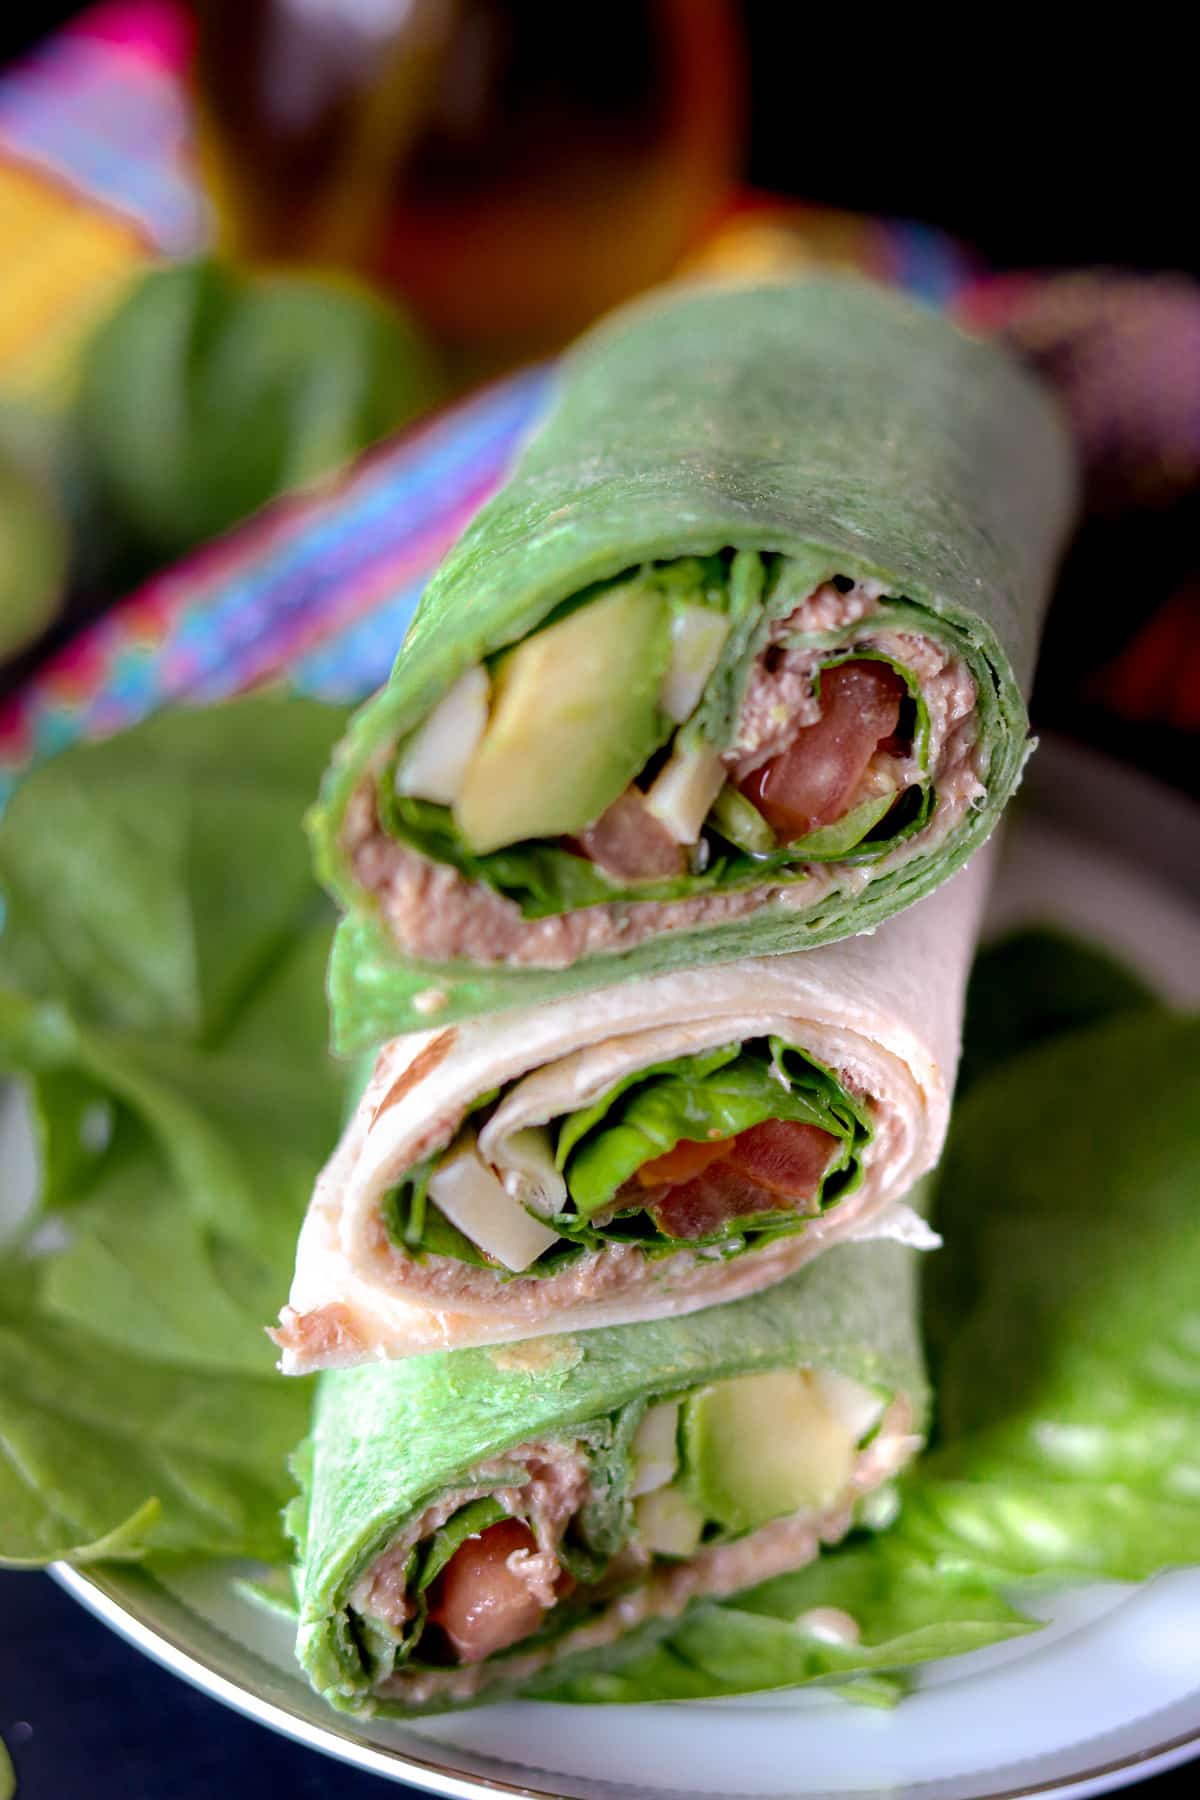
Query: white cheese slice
473, 1198
434, 766
684, 789
656, 1448
698, 636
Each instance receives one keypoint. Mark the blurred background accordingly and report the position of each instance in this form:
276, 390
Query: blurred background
245, 241
280, 284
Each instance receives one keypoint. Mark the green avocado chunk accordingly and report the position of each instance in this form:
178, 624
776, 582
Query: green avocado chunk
762, 1446
575, 716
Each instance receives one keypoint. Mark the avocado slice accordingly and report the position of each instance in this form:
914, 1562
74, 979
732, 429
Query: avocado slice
761, 1446
575, 715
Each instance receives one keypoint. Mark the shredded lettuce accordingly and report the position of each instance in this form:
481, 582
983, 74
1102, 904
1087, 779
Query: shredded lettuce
469, 1521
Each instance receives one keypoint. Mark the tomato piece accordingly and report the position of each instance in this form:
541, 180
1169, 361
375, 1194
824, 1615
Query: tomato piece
812, 782
687, 1158
709, 1202
784, 1157
771, 1167
479, 1602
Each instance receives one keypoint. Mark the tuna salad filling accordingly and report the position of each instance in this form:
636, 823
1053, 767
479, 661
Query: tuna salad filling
559, 1547
681, 746
728, 1149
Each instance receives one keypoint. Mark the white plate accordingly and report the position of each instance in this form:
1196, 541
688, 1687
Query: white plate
1107, 1693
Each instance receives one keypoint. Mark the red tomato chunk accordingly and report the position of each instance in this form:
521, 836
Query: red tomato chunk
480, 1603
813, 782
773, 1167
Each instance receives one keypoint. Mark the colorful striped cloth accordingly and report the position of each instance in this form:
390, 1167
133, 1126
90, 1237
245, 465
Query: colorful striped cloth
101, 107
95, 184
321, 588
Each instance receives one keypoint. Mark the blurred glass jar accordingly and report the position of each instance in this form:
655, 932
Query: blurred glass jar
511, 169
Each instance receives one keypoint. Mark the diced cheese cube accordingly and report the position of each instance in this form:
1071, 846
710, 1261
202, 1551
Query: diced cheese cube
698, 636
434, 765
656, 1448
683, 791
473, 1198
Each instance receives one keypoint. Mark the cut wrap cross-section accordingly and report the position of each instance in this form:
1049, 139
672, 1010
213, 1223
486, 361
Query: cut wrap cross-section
733, 665
873, 1022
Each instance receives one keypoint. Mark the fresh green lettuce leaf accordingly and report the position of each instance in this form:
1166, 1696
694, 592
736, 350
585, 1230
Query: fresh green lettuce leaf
161, 1002
834, 841
163, 951
733, 818
274, 1592
578, 1125
1075, 1288
467, 1522
108, 1455
908, 1611
748, 623
1036, 984
141, 1271
143, 827
540, 877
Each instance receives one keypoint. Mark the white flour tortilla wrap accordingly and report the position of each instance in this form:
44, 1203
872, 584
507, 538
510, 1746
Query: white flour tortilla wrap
883, 1011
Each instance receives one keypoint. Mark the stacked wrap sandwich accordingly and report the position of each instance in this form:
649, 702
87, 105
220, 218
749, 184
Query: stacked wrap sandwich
613, 1279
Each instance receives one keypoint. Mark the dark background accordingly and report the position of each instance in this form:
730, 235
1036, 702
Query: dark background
1044, 146
1043, 150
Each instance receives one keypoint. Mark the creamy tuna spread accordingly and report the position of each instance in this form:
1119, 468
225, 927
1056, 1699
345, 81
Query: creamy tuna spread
437, 913
503, 1585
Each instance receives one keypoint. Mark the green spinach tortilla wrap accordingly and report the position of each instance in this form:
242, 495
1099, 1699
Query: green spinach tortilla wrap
734, 664
472, 1517
667, 1146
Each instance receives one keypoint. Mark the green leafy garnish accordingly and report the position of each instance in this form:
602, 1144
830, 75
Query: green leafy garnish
160, 1004
740, 823
1037, 985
